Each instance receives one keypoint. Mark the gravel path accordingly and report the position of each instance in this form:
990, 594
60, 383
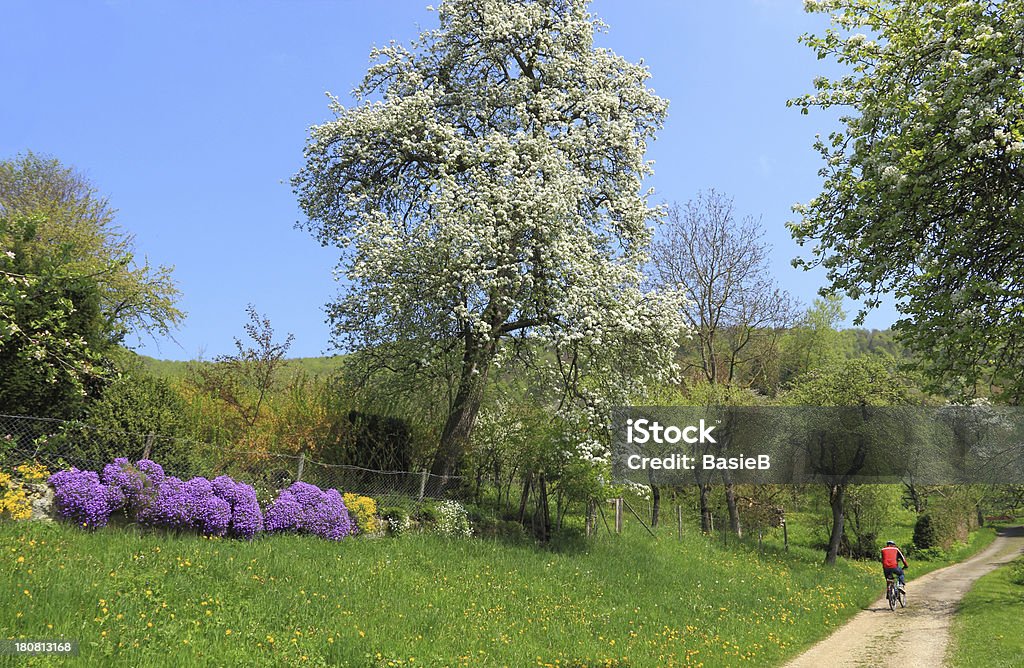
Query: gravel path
917, 636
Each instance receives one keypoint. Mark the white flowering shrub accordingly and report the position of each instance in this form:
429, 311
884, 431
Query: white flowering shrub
452, 520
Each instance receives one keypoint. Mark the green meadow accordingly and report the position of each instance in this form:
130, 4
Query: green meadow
630, 600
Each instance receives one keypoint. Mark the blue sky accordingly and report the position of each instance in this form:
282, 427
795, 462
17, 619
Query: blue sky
192, 117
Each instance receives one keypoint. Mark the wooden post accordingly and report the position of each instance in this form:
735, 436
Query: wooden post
150, 437
785, 535
618, 515
302, 465
423, 484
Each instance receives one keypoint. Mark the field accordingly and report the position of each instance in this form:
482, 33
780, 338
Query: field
154, 599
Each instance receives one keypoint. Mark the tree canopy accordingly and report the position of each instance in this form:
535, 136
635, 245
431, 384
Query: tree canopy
922, 186
70, 290
487, 185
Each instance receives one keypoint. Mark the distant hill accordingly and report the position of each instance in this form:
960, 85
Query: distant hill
314, 366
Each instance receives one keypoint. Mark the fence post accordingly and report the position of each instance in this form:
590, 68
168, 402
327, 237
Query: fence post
149, 445
618, 514
423, 484
302, 465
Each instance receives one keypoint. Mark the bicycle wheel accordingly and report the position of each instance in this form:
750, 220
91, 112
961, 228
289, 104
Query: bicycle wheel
902, 595
891, 595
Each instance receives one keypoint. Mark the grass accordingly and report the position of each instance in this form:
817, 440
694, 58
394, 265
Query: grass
135, 598
986, 631
155, 599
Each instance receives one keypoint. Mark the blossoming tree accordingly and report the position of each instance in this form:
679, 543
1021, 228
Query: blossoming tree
922, 187
486, 188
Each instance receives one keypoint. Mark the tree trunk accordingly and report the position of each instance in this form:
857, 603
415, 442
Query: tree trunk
730, 500
459, 426
655, 505
705, 509
544, 511
836, 498
524, 497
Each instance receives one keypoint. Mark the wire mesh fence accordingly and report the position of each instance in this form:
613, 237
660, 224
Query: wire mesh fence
60, 444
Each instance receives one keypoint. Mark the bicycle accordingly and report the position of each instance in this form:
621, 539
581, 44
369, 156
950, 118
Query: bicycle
894, 593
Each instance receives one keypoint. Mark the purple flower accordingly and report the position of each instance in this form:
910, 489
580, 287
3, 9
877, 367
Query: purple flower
307, 508
246, 517
153, 471
83, 498
122, 476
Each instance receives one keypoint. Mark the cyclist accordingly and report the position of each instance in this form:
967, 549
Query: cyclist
891, 558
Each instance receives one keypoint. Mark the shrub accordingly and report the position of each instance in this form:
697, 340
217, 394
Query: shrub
176, 504
13, 500
427, 514
396, 520
246, 516
934, 553
452, 519
925, 533
1017, 572
83, 498
305, 508
146, 494
363, 511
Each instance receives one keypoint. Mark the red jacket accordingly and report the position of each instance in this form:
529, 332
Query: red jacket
891, 555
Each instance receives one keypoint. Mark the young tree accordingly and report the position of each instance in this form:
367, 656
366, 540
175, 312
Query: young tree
922, 187
736, 310
486, 187
245, 380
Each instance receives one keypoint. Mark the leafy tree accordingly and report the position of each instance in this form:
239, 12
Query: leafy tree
52, 334
922, 186
75, 220
486, 192
814, 341
840, 443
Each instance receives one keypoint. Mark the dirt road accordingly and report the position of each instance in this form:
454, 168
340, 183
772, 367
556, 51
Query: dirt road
917, 636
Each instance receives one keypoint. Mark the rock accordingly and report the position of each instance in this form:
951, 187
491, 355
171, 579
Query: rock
41, 498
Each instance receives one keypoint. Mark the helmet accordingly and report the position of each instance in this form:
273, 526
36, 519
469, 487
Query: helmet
890, 542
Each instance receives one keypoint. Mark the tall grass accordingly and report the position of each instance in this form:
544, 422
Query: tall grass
627, 600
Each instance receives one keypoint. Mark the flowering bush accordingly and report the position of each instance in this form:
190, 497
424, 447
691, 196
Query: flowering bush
363, 511
152, 498
15, 502
396, 520
246, 516
121, 475
34, 472
83, 498
177, 504
306, 508
452, 519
